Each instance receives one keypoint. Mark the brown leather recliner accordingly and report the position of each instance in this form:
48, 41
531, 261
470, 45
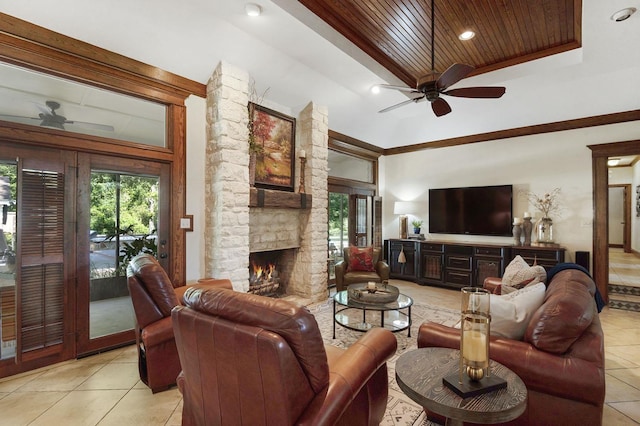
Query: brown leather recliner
344, 277
254, 360
560, 359
153, 296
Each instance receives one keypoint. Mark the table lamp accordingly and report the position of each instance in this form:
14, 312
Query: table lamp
403, 208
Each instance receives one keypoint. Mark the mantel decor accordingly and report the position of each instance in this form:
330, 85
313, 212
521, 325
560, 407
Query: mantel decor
273, 142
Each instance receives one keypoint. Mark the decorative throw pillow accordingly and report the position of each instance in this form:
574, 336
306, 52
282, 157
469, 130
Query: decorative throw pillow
360, 259
518, 274
511, 313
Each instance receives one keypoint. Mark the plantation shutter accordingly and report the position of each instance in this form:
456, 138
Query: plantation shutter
377, 222
42, 259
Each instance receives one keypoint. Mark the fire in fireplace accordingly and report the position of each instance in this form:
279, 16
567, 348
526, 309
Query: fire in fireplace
264, 274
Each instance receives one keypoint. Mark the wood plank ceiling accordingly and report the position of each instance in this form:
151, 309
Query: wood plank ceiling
397, 33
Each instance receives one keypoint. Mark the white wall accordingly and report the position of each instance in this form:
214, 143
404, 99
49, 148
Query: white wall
620, 175
196, 144
536, 163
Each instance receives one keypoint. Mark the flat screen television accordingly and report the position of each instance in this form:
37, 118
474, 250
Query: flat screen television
480, 210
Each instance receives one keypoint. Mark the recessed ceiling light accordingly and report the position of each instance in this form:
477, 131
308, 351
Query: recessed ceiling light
252, 9
612, 162
623, 15
375, 89
467, 35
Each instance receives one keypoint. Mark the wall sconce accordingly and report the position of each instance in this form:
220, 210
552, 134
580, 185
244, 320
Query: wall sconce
474, 376
403, 208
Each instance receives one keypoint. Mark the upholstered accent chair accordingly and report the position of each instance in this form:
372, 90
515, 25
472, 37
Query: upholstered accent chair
153, 297
346, 274
254, 360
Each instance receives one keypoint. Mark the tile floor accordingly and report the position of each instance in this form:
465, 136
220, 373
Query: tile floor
105, 390
624, 280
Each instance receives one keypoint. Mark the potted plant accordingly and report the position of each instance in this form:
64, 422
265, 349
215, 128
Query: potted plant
416, 226
10, 257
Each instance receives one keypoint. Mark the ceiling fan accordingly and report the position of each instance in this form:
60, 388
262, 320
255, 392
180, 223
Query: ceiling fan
49, 118
431, 90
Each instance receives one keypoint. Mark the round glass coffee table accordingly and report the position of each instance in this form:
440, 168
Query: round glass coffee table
352, 314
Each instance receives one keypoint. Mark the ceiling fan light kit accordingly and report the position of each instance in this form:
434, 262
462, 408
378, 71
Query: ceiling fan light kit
431, 88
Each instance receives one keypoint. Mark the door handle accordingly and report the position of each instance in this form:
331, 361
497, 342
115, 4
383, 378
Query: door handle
163, 255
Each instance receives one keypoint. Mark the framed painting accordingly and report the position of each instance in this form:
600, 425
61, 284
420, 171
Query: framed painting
274, 146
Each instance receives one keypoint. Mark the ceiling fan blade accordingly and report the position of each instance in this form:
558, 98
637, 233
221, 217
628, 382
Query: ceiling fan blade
95, 126
401, 88
43, 109
452, 75
20, 116
477, 92
403, 103
440, 107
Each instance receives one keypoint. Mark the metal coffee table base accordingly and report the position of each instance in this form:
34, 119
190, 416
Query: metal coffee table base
402, 322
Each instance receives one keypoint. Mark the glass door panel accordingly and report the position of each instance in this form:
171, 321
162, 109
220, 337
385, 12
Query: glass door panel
8, 249
338, 229
362, 220
123, 210
124, 213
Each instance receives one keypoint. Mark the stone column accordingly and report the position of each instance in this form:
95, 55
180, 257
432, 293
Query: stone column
309, 278
227, 177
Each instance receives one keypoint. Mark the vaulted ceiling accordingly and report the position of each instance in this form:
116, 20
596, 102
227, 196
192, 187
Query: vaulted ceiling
398, 33
559, 60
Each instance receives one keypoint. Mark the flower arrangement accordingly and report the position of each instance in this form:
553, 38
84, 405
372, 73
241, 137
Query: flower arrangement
546, 204
416, 223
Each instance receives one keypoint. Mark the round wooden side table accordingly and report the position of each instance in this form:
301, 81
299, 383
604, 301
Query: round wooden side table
419, 374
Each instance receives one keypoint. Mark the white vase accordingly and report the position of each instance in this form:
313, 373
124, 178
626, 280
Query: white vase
544, 230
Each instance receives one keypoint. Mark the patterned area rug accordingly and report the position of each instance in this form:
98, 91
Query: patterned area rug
401, 410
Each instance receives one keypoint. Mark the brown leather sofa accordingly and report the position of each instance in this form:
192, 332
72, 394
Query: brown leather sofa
561, 358
344, 277
153, 297
254, 360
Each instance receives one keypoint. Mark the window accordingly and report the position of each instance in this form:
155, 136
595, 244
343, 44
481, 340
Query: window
33, 98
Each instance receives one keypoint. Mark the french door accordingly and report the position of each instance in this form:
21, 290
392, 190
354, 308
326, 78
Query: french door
354, 219
37, 270
63, 288
123, 210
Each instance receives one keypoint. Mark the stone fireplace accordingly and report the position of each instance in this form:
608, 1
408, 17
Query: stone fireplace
240, 220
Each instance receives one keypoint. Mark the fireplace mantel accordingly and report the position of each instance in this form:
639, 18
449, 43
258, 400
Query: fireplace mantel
272, 198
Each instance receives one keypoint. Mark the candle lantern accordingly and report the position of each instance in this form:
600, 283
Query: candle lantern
474, 333
474, 376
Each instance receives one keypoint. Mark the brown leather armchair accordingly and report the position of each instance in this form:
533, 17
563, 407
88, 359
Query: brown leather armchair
344, 277
254, 360
560, 359
153, 296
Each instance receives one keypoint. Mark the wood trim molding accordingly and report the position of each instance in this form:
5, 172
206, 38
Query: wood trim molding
347, 144
271, 198
599, 154
29, 45
558, 126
